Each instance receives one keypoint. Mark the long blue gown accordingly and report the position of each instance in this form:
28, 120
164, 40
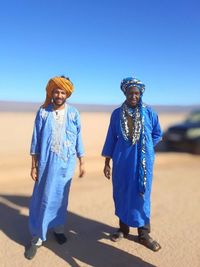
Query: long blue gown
131, 208
56, 146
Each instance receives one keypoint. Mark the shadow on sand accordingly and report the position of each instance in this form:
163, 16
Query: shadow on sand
85, 237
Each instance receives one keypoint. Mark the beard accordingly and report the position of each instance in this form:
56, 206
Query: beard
58, 102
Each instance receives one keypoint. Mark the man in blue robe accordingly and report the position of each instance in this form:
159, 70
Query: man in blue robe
133, 132
56, 142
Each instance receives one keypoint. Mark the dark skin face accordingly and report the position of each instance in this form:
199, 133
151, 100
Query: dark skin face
59, 97
132, 96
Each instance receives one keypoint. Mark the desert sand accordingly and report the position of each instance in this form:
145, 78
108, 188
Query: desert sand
175, 216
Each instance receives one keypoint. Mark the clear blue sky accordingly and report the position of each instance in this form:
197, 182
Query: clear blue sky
97, 43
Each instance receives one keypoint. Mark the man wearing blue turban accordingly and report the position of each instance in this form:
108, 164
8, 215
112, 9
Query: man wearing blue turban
133, 132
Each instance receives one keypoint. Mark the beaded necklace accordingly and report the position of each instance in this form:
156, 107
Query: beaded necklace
137, 136
136, 123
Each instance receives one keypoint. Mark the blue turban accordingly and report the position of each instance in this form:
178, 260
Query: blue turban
132, 82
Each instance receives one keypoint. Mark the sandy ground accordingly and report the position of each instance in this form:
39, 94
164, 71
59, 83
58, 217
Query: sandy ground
175, 205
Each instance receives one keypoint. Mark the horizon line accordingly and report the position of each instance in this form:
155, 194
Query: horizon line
21, 106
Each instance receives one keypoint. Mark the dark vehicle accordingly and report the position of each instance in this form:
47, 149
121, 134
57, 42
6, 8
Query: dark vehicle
185, 136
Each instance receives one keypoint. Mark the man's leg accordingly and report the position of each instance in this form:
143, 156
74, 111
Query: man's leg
143, 232
124, 228
122, 232
145, 239
31, 251
59, 234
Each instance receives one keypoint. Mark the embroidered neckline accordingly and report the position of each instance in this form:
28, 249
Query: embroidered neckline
59, 115
58, 130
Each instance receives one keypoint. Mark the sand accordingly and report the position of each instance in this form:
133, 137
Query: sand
175, 205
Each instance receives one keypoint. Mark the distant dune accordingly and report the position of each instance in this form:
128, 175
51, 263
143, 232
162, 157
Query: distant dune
11, 106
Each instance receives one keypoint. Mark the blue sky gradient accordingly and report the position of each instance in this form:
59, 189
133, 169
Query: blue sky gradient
97, 44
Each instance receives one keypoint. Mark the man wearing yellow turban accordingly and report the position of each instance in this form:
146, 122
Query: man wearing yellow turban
56, 142
62, 83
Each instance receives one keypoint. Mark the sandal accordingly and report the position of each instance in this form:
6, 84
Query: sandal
117, 236
150, 243
31, 251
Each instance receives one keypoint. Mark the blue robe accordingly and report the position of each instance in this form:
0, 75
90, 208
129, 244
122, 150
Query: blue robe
56, 147
131, 208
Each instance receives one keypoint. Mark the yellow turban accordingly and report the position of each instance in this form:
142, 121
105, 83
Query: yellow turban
57, 82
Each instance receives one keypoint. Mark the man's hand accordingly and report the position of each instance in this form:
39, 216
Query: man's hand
81, 170
34, 173
107, 171
81, 167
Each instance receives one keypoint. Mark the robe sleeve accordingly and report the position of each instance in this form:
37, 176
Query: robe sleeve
111, 138
79, 142
156, 131
35, 143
